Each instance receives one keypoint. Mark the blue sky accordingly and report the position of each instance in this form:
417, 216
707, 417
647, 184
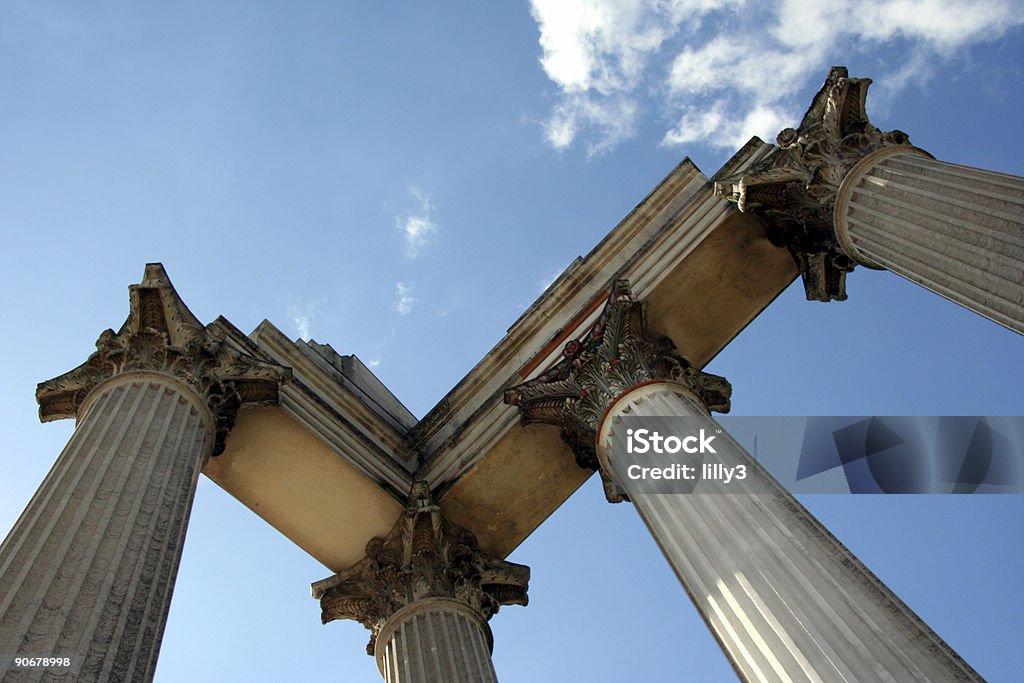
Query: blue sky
401, 181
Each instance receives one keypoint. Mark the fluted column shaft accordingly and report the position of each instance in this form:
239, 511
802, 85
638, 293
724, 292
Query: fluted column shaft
436, 640
838, 192
956, 230
87, 571
783, 597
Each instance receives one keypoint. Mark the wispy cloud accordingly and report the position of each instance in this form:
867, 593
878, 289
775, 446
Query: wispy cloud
546, 282
419, 227
722, 71
302, 316
596, 52
379, 349
404, 299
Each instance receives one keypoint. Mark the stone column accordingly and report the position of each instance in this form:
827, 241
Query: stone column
785, 600
88, 570
838, 192
425, 591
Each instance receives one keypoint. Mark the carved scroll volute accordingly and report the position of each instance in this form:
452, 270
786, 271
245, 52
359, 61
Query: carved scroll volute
617, 354
162, 336
423, 556
793, 189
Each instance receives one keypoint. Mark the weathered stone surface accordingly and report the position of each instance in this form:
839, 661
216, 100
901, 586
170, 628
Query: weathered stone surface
617, 354
88, 570
436, 640
794, 188
423, 557
783, 597
955, 230
838, 192
162, 336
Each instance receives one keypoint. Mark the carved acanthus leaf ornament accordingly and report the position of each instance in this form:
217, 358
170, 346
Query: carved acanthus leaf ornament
617, 354
794, 187
423, 556
162, 336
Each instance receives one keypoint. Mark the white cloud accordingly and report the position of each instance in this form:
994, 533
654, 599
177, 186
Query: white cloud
404, 299
302, 316
596, 52
546, 282
379, 349
697, 124
612, 117
302, 325
724, 71
418, 226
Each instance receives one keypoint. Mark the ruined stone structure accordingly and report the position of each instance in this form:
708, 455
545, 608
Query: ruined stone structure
413, 518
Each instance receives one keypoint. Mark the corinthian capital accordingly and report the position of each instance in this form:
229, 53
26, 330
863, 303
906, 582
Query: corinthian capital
423, 556
617, 354
794, 188
162, 336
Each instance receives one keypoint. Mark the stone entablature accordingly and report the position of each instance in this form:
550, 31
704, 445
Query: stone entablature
678, 243
340, 411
